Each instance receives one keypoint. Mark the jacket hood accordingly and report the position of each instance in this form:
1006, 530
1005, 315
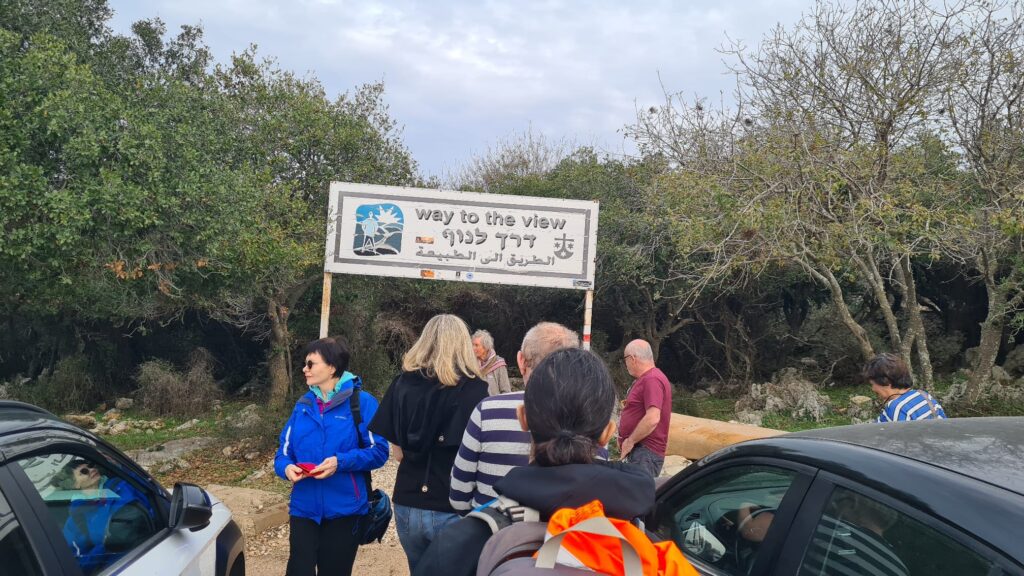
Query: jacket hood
626, 491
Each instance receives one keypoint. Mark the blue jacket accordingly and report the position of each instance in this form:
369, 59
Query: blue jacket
119, 516
310, 436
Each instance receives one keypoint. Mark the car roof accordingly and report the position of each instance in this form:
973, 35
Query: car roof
19, 416
987, 449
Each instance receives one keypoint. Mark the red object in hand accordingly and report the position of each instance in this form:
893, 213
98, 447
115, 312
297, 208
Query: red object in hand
307, 467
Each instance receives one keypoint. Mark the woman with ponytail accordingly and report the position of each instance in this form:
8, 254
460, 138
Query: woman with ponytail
567, 409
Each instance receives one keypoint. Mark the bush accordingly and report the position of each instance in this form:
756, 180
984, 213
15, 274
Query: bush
166, 391
70, 388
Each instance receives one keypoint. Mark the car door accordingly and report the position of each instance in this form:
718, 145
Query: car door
730, 518
91, 506
24, 549
846, 528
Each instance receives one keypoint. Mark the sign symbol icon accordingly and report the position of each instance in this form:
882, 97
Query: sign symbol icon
563, 247
379, 230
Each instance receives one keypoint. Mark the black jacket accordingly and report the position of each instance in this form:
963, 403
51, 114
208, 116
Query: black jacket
625, 491
426, 420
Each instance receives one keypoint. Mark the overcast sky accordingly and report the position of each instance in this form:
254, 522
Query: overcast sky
463, 75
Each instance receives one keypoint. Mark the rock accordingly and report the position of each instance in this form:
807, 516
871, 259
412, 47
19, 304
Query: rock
119, 428
170, 450
808, 362
255, 476
247, 418
228, 451
251, 455
112, 414
1000, 375
1014, 362
971, 356
752, 417
860, 409
124, 403
149, 431
81, 420
673, 465
700, 394
186, 425
253, 510
788, 393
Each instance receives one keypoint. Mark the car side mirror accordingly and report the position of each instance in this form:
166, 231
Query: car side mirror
190, 507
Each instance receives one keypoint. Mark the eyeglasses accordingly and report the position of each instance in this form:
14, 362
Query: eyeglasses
626, 357
309, 364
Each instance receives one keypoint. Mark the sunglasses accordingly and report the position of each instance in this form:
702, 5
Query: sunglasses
85, 469
309, 364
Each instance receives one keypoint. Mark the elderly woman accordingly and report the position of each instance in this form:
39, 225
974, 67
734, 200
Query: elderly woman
329, 498
889, 378
492, 366
424, 414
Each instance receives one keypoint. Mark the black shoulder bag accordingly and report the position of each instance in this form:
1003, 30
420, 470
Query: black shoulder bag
372, 526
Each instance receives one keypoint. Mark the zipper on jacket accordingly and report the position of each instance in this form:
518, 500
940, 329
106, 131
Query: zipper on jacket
355, 486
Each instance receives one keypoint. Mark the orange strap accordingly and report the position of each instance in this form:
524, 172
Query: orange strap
603, 554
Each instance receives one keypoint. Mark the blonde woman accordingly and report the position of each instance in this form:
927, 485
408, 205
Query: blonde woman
423, 415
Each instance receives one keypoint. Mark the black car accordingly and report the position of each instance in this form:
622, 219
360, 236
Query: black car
930, 497
72, 504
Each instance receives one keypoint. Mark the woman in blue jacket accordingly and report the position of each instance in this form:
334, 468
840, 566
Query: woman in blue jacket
328, 501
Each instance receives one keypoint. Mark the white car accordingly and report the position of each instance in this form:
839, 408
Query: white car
72, 504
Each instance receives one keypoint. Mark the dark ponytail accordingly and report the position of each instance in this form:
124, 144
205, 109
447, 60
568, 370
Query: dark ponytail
569, 401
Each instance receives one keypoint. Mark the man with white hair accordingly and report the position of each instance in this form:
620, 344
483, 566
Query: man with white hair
494, 441
492, 366
646, 412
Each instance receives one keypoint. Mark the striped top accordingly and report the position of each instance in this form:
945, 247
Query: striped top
911, 405
844, 549
493, 444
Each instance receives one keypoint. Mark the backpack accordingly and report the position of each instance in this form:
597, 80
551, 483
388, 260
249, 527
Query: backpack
574, 541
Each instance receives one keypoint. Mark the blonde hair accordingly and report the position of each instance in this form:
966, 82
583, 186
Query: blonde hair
444, 350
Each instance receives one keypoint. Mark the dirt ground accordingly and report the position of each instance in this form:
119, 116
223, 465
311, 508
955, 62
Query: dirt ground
267, 553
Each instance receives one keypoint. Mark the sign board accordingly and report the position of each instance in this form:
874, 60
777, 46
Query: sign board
461, 236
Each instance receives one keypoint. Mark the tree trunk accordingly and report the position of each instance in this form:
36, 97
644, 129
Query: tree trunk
991, 334
869, 268
277, 355
826, 277
916, 333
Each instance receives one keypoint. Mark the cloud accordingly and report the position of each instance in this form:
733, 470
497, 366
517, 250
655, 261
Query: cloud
463, 74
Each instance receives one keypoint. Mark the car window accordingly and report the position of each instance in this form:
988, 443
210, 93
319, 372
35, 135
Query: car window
723, 518
102, 514
15, 552
860, 535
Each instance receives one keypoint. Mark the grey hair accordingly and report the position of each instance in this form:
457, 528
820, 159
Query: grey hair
641, 350
545, 338
486, 340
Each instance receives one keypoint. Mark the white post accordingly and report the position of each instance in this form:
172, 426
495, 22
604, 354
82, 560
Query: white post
587, 308
325, 305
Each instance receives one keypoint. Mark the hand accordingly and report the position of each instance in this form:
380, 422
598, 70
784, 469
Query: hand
396, 452
626, 448
293, 473
326, 469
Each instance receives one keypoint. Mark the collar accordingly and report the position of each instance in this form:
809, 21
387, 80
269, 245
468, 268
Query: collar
345, 378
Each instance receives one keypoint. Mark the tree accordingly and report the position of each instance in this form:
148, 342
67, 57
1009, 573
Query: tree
286, 128
984, 103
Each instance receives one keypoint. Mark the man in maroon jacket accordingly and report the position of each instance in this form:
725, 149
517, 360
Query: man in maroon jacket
646, 412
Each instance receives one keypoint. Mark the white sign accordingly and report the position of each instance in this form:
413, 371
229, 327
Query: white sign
461, 236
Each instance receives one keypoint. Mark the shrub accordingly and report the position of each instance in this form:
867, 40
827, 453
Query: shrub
166, 391
70, 388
